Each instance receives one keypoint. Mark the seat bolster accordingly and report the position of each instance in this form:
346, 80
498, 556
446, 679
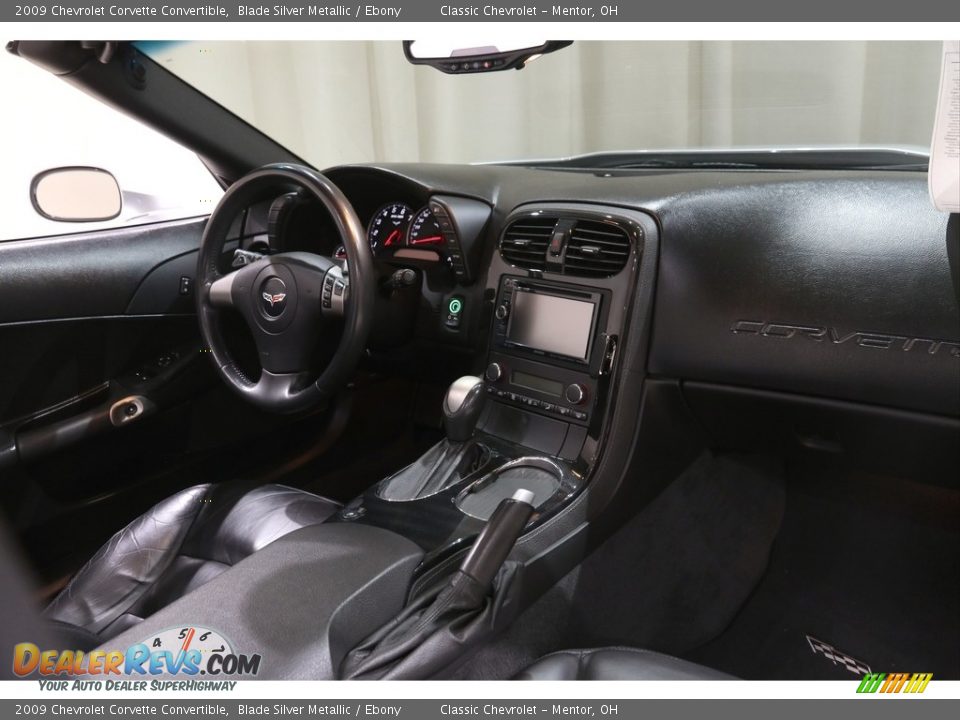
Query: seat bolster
128, 564
238, 520
178, 545
616, 664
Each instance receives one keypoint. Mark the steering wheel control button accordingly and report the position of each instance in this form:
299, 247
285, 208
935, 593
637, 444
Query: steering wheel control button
328, 284
336, 288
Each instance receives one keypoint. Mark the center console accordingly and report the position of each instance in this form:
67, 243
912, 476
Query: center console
557, 294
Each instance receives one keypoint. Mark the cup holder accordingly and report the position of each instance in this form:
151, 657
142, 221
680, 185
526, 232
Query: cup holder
541, 476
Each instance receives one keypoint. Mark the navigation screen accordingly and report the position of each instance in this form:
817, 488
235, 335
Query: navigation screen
551, 323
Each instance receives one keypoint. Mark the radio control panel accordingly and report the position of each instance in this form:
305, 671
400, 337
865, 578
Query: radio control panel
544, 405
547, 348
539, 386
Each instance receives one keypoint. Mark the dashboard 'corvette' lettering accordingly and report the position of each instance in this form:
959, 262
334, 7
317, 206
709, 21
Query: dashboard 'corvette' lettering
878, 341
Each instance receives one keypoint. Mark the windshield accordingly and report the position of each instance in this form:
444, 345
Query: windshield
347, 102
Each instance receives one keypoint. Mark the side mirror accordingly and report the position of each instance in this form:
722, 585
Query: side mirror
76, 194
491, 57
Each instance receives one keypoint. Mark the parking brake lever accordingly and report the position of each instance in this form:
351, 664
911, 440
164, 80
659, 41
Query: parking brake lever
440, 624
498, 537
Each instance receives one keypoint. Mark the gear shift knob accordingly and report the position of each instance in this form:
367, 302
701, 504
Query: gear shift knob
462, 406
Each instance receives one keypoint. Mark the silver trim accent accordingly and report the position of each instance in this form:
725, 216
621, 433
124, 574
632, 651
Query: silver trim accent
494, 370
118, 414
578, 388
565, 489
417, 254
220, 293
524, 496
458, 391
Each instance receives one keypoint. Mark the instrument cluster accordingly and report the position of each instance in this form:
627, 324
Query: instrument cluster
396, 231
397, 225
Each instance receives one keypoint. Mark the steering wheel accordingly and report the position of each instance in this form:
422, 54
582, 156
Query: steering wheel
288, 300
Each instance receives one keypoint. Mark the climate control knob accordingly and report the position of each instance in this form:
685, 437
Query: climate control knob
575, 394
493, 372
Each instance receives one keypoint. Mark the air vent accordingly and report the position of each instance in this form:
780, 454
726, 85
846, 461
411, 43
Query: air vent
596, 249
525, 242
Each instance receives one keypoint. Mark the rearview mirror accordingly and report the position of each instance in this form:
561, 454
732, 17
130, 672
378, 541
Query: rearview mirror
76, 194
484, 57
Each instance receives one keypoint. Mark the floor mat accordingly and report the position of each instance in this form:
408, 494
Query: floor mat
865, 571
669, 580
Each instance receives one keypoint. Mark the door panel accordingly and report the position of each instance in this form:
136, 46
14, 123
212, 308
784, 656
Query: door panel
87, 321
89, 274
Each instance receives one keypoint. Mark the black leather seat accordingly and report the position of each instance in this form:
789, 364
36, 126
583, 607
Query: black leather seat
176, 546
616, 664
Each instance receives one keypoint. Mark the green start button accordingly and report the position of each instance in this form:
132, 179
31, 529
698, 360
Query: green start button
455, 306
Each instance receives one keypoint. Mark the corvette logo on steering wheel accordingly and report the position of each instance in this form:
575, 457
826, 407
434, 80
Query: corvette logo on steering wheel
274, 299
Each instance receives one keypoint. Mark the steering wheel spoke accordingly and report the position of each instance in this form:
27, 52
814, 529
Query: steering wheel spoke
277, 390
220, 292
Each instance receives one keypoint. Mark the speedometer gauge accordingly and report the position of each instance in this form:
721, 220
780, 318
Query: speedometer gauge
424, 230
388, 228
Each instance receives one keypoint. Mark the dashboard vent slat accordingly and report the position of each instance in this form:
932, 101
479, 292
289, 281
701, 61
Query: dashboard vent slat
596, 249
525, 242
593, 248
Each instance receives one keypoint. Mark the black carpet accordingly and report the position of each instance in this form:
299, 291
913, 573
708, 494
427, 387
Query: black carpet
729, 569
869, 566
670, 579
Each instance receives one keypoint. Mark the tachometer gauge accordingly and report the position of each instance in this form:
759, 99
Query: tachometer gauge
388, 228
424, 230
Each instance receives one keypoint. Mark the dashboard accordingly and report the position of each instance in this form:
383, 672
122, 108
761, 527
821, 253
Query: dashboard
786, 308
841, 284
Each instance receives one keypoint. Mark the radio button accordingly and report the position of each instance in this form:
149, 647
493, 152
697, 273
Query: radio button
575, 394
494, 372
502, 311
